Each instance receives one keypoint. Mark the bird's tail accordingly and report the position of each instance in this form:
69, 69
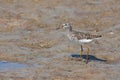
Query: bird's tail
96, 36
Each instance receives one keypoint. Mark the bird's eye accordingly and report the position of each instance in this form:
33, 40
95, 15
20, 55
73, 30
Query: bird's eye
65, 24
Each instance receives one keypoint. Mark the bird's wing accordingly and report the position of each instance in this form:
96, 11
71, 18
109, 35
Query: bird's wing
82, 35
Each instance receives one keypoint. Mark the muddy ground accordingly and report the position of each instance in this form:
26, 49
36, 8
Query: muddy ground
32, 49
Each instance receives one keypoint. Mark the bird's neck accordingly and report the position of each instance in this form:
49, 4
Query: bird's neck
70, 28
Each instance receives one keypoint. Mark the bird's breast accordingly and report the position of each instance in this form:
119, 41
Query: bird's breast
71, 37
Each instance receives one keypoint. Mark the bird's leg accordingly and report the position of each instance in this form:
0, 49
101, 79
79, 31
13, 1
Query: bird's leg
87, 54
81, 52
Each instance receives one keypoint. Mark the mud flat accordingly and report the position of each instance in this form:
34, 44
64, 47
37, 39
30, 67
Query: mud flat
34, 50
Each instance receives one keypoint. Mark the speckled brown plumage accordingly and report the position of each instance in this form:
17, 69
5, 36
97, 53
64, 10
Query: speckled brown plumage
81, 35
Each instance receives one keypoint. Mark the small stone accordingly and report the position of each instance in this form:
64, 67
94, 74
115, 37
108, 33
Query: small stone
111, 33
84, 60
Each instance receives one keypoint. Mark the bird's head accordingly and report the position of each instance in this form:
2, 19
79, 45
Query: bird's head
65, 26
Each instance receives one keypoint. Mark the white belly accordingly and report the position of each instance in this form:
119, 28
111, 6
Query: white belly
85, 40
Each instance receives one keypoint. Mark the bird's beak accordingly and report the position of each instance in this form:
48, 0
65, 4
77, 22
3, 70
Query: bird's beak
57, 28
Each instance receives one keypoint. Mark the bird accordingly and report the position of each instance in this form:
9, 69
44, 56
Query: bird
80, 37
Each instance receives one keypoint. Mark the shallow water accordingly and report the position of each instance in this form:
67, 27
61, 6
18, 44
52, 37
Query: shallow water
5, 66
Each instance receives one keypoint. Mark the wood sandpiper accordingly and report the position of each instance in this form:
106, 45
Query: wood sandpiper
80, 37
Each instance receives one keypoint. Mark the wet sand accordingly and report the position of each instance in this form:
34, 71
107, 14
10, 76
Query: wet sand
30, 43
